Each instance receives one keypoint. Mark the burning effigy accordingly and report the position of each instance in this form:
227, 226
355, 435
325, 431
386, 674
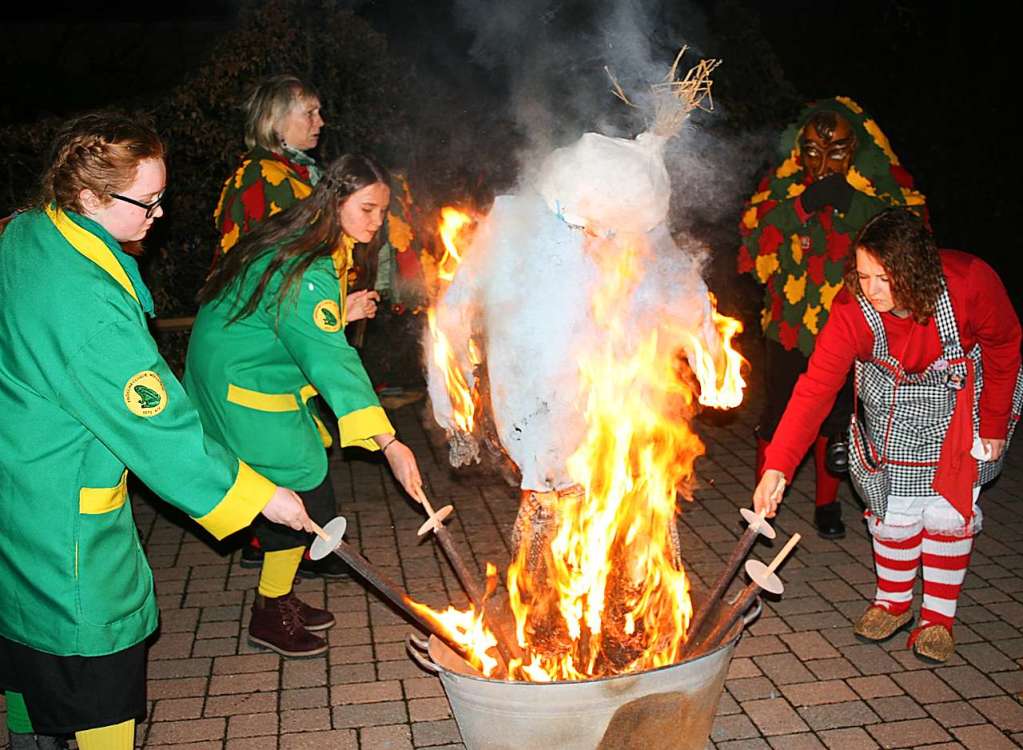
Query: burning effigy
584, 330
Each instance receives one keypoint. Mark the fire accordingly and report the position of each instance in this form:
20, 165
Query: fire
452, 222
611, 594
721, 381
613, 574
462, 402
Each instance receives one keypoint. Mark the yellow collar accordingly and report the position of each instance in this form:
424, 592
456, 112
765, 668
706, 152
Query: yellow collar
92, 247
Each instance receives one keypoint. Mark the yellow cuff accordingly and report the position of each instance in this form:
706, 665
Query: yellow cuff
359, 427
248, 495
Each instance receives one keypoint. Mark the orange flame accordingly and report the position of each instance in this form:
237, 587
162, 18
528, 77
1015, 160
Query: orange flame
721, 381
462, 403
613, 574
612, 595
452, 222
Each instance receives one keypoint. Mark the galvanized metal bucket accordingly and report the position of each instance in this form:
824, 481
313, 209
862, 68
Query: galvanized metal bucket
669, 708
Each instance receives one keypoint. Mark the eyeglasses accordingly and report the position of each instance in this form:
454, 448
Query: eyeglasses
150, 207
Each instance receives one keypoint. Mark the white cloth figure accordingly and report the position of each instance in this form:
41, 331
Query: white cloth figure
525, 287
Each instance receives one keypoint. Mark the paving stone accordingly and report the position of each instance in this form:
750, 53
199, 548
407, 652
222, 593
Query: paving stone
751, 688
968, 682
1002, 711
370, 714
252, 682
423, 687
774, 716
897, 708
305, 698
909, 733
832, 669
871, 659
853, 713
241, 703
847, 739
783, 669
177, 708
181, 687
818, 693
339, 739
429, 709
877, 686
752, 744
983, 737
253, 725
954, 713
742, 667
804, 741
169, 732
427, 733
809, 645
736, 726
925, 687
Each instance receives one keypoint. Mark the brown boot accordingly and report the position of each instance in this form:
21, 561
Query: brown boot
313, 619
277, 625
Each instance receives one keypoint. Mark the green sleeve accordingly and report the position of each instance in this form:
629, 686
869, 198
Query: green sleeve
310, 327
120, 389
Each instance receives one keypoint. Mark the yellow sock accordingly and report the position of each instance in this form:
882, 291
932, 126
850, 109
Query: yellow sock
115, 737
279, 569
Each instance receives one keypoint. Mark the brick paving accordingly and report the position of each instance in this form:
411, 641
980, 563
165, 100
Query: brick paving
799, 678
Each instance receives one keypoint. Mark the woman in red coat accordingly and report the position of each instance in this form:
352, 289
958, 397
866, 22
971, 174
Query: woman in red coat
935, 344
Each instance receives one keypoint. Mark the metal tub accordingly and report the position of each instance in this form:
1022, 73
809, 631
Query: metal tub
670, 708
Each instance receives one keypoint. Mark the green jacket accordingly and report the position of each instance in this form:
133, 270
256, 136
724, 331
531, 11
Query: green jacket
85, 395
252, 379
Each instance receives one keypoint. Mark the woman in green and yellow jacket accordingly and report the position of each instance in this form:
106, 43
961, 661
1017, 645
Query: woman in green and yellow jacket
270, 335
86, 396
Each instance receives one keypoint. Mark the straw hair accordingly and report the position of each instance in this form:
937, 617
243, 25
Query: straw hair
99, 151
268, 104
674, 98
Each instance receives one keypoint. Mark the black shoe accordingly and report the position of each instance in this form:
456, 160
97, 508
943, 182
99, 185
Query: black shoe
331, 567
836, 456
252, 557
828, 520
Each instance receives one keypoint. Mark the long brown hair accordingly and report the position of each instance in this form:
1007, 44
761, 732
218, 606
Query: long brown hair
297, 238
905, 248
99, 151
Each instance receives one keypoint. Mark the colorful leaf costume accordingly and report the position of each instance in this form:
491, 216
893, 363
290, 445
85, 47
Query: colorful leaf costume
800, 257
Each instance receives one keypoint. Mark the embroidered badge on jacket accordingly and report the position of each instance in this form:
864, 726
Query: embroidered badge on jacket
327, 316
144, 394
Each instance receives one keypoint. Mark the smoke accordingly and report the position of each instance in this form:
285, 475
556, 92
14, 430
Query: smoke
527, 287
554, 55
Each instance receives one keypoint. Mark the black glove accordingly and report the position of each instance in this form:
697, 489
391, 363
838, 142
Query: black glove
832, 190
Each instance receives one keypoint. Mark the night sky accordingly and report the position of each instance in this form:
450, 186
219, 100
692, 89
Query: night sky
935, 76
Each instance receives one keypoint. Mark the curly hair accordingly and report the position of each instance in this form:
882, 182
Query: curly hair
99, 151
900, 241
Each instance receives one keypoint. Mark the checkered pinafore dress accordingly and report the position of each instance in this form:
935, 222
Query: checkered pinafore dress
895, 443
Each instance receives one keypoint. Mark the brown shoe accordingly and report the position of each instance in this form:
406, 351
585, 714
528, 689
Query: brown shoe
277, 625
313, 618
878, 624
933, 641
